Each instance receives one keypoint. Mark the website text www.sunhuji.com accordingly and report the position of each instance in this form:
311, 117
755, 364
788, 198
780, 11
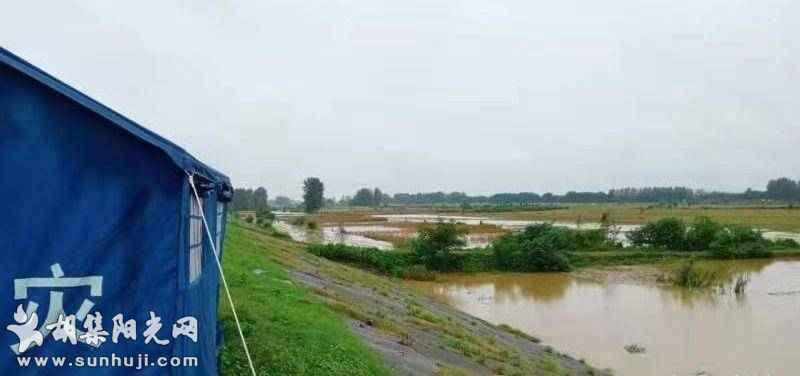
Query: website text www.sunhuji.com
114, 361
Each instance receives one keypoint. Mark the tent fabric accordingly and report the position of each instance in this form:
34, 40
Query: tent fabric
179, 156
88, 198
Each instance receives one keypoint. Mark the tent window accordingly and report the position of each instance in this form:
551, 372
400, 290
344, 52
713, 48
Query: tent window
220, 217
195, 240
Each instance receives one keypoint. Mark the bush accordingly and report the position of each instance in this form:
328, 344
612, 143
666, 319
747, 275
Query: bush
400, 264
548, 237
372, 258
702, 234
724, 241
732, 237
590, 239
786, 243
669, 233
472, 261
433, 246
537, 248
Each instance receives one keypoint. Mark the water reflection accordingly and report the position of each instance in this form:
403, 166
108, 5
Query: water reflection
511, 287
684, 331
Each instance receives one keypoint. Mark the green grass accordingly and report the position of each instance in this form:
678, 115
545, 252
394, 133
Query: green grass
519, 333
289, 331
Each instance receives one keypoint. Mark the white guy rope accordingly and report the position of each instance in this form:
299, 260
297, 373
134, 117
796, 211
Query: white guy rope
222, 274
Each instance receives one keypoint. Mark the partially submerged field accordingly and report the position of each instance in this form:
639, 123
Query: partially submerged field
304, 315
774, 218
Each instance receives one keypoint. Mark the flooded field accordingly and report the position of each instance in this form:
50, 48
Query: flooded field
513, 225
682, 332
349, 235
358, 234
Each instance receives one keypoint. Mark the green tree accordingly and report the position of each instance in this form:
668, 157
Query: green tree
283, 202
313, 194
260, 199
783, 189
363, 197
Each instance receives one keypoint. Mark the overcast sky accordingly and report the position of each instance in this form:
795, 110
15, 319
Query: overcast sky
475, 96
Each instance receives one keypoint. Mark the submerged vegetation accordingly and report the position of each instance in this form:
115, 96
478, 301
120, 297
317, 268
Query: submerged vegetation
695, 276
690, 275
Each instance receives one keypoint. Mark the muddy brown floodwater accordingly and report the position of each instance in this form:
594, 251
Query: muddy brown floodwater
683, 332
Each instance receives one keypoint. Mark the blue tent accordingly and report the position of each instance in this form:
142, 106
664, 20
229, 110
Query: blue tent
100, 226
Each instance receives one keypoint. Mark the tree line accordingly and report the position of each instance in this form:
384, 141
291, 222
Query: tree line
780, 189
249, 199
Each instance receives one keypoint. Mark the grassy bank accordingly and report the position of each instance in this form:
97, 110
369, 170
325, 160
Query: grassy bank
288, 329
347, 321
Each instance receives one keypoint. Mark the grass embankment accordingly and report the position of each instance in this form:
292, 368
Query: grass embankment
779, 218
296, 331
288, 329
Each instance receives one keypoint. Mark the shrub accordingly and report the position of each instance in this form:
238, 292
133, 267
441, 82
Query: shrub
433, 245
702, 234
732, 237
471, 261
669, 233
590, 239
537, 248
509, 254
371, 258
548, 237
785, 243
